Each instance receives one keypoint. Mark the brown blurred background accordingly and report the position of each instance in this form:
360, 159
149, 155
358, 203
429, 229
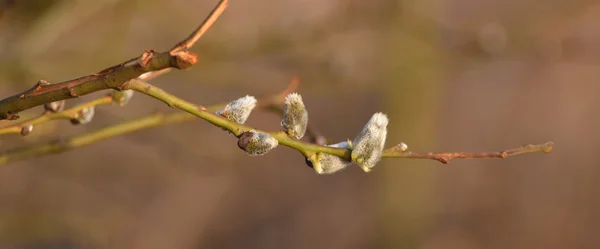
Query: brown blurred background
453, 75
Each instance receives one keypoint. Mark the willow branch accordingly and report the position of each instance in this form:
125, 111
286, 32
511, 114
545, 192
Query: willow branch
110, 78
445, 157
271, 103
308, 149
150, 121
48, 115
199, 32
59, 145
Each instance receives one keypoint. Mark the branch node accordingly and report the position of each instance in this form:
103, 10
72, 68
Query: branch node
185, 59
547, 148
146, 57
42, 83
11, 116
72, 93
38, 86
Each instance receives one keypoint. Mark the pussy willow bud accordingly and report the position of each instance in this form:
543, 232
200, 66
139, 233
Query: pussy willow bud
239, 110
25, 130
324, 163
122, 97
257, 143
295, 116
84, 116
55, 106
367, 147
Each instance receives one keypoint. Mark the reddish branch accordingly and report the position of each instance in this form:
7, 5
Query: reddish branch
110, 78
445, 157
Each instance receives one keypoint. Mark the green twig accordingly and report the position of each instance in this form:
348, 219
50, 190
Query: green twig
308, 149
48, 115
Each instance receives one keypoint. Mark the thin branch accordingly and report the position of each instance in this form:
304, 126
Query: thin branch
268, 103
309, 149
445, 157
199, 32
58, 146
48, 115
130, 126
110, 78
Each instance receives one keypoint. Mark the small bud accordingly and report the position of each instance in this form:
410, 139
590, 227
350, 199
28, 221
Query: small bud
367, 147
25, 130
402, 146
122, 97
84, 116
239, 110
55, 106
324, 163
295, 116
257, 143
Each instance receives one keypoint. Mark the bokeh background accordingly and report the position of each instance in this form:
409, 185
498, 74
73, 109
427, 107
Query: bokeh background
453, 75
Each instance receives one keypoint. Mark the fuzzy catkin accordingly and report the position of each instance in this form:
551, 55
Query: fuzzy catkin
122, 97
56, 106
295, 116
329, 164
238, 110
257, 143
84, 116
368, 146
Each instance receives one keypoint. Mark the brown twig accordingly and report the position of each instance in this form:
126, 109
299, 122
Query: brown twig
445, 157
110, 78
208, 22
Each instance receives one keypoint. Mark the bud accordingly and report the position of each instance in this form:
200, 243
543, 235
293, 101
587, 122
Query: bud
367, 147
84, 116
257, 143
295, 116
25, 130
56, 106
402, 146
324, 163
239, 110
122, 97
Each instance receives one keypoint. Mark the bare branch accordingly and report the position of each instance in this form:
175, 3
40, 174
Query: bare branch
110, 78
208, 22
445, 157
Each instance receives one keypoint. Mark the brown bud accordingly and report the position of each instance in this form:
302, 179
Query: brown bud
25, 130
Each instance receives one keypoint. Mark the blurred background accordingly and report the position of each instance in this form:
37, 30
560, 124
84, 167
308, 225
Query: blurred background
453, 75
